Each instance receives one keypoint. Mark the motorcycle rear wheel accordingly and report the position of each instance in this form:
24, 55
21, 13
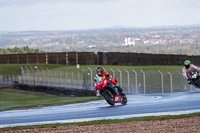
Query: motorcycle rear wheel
124, 100
198, 84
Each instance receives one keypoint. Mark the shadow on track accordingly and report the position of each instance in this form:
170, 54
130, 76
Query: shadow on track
111, 106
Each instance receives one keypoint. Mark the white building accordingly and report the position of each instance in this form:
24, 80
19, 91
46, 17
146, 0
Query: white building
129, 41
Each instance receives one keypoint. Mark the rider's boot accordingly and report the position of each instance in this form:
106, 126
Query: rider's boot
189, 81
120, 90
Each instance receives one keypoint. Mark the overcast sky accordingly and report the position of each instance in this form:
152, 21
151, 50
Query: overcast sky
21, 15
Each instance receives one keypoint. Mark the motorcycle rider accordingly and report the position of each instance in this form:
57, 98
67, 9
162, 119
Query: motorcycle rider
101, 73
187, 66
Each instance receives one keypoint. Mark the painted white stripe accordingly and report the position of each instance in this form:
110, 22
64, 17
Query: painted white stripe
101, 118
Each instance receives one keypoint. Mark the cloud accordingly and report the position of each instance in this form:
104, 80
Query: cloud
87, 14
30, 2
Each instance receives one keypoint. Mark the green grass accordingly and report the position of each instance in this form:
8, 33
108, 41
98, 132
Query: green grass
148, 68
148, 118
144, 68
10, 101
14, 69
4, 86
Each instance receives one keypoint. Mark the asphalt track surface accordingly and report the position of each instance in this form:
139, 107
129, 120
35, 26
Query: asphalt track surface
137, 106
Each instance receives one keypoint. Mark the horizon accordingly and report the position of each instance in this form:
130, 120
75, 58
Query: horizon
78, 15
114, 28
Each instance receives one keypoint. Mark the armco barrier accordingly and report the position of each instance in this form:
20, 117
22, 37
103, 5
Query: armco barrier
56, 90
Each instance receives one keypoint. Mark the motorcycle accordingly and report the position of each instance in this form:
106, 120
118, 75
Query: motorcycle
110, 92
194, 77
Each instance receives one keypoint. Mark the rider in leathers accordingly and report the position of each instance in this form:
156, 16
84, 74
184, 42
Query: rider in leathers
101, 73
186, 68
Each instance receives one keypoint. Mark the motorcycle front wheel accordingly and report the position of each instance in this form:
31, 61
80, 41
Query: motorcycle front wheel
109, 97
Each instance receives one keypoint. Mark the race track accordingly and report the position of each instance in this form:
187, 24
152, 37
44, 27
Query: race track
138, 106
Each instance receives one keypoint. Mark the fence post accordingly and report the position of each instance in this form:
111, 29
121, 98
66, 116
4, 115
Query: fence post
170, 81
54, 77
19, 79
136, 91
120, 77
40, 77
34, 81
78, 78
33, 75
181, 79
152, 75
66, 79
113, 72
1, 77
27, 74
43, 77
60, 78
37, 81
48, 77
161, 80
72, 78
22, 70
85, 82
91, 77
128, 80
144, 81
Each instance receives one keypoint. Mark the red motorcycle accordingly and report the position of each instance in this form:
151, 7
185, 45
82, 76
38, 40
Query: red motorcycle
110, 92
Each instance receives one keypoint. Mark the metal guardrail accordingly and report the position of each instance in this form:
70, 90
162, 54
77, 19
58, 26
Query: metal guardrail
132, 81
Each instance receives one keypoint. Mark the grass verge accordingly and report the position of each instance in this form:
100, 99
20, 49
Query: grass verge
14, 69
4, 86
137, 68
149, 118
9, 101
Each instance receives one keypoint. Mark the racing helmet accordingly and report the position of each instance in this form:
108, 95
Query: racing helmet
187, 64
100, 70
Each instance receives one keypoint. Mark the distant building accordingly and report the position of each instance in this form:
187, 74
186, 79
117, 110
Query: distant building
129, 41
92, 46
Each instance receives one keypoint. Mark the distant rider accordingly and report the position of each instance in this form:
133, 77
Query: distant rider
186, 68
101, 73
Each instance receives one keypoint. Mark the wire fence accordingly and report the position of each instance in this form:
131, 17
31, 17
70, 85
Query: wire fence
132, 81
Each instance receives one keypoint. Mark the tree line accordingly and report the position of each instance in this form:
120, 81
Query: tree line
17, 50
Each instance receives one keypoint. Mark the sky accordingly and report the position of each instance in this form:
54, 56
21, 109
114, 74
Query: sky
25, 15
